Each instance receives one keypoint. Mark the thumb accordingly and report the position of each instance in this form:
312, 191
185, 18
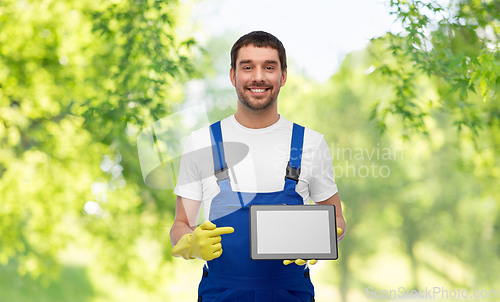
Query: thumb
208, 225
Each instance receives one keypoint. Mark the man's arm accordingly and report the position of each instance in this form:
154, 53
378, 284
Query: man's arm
335, 200
186, 217
189, 241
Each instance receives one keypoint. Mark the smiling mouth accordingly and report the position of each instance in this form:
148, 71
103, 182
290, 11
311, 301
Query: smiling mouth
258, 90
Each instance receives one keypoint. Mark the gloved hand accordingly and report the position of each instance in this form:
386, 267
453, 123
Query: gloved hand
312, 261
300, 261
203, 243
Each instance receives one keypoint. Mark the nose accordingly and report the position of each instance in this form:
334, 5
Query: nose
258, 75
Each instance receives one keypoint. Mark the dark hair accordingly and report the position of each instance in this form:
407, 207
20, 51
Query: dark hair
259, 39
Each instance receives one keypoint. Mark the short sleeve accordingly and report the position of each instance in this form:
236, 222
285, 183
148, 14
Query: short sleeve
189, 181
322, 184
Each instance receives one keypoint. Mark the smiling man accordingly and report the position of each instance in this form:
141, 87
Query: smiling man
286, 164
259, 78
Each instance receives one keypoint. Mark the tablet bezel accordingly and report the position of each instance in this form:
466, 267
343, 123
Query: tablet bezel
333, 255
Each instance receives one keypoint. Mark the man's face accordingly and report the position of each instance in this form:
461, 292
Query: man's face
258, 77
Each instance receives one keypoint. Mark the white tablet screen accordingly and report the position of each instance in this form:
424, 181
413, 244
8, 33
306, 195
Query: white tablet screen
289, 232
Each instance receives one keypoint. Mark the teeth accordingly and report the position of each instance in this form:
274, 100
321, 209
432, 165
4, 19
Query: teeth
257, 90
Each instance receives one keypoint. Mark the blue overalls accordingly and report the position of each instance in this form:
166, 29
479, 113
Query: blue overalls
234, 277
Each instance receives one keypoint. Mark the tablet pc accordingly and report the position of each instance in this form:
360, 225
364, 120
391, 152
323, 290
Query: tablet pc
293, 232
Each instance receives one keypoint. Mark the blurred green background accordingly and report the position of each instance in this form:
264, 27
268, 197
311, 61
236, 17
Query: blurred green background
412, 123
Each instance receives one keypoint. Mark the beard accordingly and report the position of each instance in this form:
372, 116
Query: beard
257, 104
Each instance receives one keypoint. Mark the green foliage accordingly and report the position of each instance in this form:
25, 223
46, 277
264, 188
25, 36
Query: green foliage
141, 58
78, 80
456, 47
72, 286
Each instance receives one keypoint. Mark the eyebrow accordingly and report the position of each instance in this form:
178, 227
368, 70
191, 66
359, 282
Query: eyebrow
250, 61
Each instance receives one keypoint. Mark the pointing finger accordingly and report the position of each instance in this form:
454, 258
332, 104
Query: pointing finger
220, 231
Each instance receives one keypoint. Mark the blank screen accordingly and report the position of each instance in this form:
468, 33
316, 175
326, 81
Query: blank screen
285, 232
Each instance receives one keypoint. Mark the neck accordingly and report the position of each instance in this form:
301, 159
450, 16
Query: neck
256, 120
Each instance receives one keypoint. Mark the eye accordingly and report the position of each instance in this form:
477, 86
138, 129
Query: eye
246, 68
269, 67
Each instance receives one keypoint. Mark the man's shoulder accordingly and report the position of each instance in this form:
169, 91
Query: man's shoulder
310, 134
201, 136
315, 135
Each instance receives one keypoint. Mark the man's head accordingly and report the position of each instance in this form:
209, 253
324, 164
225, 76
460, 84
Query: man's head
258, 71
259, 39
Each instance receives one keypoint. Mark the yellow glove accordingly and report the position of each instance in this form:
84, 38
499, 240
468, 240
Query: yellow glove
300, 261
312, 261
203, 244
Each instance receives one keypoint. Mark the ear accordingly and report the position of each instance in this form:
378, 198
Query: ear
283, 78
232, 75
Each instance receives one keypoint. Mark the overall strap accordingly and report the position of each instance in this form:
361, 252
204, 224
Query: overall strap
293, 167
220, 165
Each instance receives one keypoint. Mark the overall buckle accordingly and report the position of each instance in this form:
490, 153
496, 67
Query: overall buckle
292, 173
222, 174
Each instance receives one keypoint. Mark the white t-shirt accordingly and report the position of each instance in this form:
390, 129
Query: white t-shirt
262, 169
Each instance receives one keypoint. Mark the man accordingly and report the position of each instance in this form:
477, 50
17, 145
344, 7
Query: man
258, 71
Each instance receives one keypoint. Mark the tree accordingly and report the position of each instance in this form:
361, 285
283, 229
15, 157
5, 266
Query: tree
78, 81
457, 48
